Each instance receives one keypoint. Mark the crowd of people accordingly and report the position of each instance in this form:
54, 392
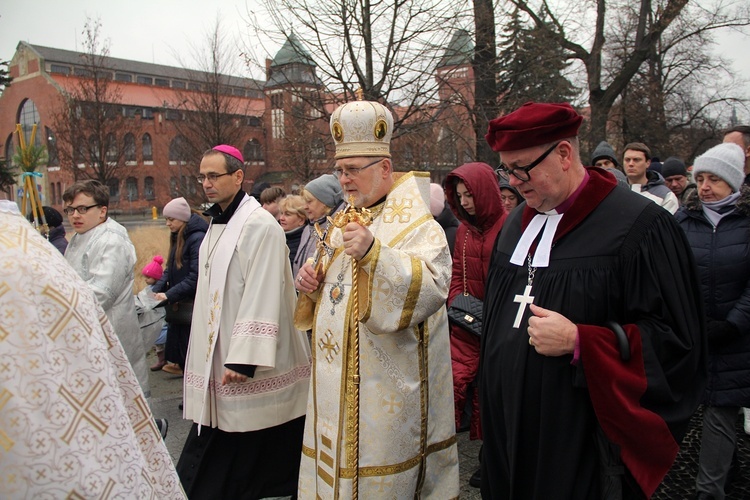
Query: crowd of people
582, 313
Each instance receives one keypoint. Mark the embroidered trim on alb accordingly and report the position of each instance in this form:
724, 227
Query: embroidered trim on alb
255, 329
261, 386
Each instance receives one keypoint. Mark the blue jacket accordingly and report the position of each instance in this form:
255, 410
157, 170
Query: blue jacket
722, 255
180, 284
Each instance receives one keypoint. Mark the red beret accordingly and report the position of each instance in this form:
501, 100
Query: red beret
533, 124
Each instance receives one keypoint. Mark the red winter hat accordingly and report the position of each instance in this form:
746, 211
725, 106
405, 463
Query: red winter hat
153, 269
533, 124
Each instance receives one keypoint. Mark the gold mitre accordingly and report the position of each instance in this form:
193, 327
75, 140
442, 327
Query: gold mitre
362, 128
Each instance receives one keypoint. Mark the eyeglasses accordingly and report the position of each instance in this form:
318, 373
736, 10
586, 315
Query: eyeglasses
351, 173
211, 177
522, 173
81, 209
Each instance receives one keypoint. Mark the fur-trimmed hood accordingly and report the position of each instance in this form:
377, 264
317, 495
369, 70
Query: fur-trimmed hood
694, 204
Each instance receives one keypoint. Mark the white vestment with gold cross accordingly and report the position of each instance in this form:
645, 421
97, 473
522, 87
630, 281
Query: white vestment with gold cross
74, 422
407, 443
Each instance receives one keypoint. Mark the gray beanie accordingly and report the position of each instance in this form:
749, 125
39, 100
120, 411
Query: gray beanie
604, 150
619, 176
673, 166
726, 160
326, 189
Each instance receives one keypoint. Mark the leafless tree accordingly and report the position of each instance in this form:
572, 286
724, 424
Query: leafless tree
680, 98
485, 74
653, 19
303, 146
211, 109
88, 120
388, 49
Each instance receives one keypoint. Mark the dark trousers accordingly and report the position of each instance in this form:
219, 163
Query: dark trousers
178, 338
242, 465
717, 447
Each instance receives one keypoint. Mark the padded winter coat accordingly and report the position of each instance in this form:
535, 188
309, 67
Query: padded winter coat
179, 284
722, 255
476, 234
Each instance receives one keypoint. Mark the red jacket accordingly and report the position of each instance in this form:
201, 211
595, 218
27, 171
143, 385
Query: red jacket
478, 231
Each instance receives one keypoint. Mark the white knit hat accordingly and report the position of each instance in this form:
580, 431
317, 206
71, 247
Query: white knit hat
727, 160
177, 209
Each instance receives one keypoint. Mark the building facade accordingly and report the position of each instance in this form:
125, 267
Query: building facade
143, 134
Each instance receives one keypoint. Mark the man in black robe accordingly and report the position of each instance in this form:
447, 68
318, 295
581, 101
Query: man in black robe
593, 349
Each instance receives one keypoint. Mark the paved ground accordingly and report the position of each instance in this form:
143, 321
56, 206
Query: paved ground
166, 393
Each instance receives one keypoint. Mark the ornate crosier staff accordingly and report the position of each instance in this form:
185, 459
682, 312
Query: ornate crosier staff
363, 217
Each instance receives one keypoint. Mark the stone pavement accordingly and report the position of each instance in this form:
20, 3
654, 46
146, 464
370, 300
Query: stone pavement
166, 392
680, 482
166, 395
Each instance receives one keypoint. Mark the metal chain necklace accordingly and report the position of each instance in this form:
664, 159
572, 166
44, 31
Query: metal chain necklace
213, 248
336, 294
526, 298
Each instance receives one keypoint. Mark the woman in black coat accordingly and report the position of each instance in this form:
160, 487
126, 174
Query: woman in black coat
716, 221
180, 279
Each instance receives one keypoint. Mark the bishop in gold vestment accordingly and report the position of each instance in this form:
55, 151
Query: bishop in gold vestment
394, 437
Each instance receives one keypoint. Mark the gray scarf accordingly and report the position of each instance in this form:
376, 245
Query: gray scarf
717, 210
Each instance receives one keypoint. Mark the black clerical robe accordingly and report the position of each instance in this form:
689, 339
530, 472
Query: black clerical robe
616, 257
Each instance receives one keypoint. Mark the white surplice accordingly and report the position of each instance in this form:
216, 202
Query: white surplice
243, 311
104, 257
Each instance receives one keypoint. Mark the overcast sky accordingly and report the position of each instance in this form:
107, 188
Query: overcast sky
157, 30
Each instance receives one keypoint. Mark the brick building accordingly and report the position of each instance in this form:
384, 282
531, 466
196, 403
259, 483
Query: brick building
152, 154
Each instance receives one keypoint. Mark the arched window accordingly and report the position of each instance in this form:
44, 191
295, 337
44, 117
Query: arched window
114, 189
148, 154
129, 150
9, 150
53, 159
178, 150
131, 187
148, 188
27, 117
318, 149
94, 150
252, 151
112, 151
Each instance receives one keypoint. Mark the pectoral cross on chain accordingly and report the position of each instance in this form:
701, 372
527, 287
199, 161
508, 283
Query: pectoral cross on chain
526, 298
523, 301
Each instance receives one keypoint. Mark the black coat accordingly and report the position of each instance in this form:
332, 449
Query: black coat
293, 238
722, 256
449, 223
57, 238
180, 284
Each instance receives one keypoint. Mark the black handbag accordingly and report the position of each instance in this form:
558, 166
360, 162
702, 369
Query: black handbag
466, 310
179, 313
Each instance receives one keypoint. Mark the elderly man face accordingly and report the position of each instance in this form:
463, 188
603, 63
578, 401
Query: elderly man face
363, 180
547, 185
